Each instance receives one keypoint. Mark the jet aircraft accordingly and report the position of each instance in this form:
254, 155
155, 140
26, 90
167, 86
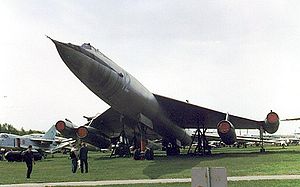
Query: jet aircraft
139, 113
46, 143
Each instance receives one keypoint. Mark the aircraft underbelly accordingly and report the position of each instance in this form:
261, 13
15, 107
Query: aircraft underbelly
133, 99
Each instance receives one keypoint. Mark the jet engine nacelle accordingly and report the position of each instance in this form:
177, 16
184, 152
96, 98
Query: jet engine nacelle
226, 132
93, 136
66, 128
271, 123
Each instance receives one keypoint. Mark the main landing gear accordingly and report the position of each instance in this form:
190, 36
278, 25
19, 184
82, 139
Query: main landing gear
143, 152
171, 148
148, 154
121, 146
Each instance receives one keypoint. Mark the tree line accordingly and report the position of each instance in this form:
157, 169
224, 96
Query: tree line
8, 128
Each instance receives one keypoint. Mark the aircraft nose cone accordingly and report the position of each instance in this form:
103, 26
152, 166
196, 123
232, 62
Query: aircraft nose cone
87, 70
90, 69
77, 62
66, 52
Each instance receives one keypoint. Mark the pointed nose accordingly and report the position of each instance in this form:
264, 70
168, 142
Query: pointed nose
87, 69
91, 70
78, 62
70, 54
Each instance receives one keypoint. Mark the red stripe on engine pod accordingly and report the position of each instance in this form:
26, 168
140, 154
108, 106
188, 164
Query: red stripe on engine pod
60, 125
224, 127
82, 132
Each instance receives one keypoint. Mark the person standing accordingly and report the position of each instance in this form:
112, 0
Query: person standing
83, 157
29, 159
74, 158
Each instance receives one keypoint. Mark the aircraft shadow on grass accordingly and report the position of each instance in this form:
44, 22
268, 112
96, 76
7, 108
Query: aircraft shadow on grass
163, 165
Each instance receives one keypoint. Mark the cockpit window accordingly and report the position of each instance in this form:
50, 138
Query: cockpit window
4, 136
86, 46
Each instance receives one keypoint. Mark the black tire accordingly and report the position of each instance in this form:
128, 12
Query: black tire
149, 154
137, 154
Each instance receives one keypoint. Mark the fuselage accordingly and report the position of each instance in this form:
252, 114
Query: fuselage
10, 141
118, 88
17, 142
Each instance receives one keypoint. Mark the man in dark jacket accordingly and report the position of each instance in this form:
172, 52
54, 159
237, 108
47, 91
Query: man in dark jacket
83, 157
29, 159
73, 156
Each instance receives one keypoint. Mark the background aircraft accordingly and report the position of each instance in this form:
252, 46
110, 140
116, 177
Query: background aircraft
46, 143
140, 114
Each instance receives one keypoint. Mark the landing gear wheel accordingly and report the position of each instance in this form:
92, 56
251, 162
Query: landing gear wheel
122, 150
137, 154
172, 151
149, 154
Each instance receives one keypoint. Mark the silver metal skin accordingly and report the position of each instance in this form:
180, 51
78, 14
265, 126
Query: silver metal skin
119, 89
47, 142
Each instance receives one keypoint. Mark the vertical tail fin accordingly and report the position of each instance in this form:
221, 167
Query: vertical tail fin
50, 134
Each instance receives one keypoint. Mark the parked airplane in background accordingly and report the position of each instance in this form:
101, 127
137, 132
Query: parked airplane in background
137, 112
47, 143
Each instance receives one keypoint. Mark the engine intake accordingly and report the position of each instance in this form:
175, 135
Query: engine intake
226, 132
271, 123
93, 136
66, 128
82, 132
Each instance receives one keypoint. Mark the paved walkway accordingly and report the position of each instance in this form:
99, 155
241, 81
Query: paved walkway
147, 181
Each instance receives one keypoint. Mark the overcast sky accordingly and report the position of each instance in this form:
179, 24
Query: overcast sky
240, 57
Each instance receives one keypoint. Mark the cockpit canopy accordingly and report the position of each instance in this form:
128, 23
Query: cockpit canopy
3, 136
93, 50
88, 46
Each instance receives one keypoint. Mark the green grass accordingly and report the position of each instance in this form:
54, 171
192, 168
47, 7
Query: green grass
264, 183
261, 183
238, 162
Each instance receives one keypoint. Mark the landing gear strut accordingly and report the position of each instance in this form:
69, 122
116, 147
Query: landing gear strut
143, 152
121, 146
261, 136
202, 147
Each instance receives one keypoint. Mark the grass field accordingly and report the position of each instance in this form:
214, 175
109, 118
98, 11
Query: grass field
238, 162
267, 183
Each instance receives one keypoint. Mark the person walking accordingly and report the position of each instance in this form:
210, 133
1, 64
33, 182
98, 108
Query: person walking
29, 159
83, 157
74, 158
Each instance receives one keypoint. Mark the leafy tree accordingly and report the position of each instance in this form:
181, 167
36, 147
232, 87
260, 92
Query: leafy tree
23, 132
8, 128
